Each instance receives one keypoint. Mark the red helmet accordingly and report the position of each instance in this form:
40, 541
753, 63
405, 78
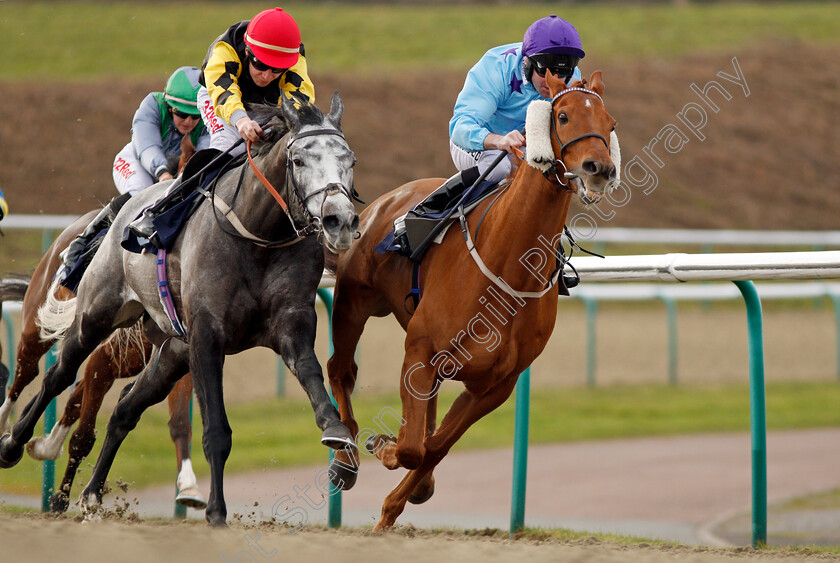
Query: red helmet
274, 38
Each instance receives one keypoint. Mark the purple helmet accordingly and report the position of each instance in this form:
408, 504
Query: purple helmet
554, 35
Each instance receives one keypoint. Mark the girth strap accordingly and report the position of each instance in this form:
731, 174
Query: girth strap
166, 295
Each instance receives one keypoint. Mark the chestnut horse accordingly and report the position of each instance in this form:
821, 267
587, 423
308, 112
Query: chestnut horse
486, 310
106, 364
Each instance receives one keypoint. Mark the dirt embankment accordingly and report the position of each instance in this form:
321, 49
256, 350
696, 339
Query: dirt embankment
767, 160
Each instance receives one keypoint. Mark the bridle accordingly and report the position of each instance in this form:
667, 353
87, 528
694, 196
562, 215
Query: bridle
313, 223
554, 174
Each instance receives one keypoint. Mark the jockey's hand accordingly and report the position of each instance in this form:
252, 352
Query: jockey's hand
249, 129
165, 176
509, 142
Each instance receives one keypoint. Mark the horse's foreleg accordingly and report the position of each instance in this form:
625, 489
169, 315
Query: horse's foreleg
180, 430
419, 385
348, 321
152, 386
463, 413
297, 346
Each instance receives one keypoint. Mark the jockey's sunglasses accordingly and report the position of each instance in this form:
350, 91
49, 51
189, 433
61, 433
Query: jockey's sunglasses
184, 115
261, 66
559, 65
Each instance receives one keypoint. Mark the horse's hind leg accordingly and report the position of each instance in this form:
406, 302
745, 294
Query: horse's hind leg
180, 430
155, 382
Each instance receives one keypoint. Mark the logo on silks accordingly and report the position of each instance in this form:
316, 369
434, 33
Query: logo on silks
123, 168
210, 117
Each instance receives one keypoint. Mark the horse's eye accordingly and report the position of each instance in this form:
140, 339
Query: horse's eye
354, 163
562, 118
297, 162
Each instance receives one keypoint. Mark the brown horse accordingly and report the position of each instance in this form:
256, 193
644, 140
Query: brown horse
484, 316
107, 363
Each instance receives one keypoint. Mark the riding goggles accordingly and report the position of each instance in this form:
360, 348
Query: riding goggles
261, 66
559, 65
183, 114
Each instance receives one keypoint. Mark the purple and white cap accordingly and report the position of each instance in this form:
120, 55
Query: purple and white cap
552, 34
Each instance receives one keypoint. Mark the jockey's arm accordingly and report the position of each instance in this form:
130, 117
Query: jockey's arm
145, 136
4, 207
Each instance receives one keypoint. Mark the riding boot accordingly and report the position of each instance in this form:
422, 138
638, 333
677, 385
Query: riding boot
79, 247
411, 229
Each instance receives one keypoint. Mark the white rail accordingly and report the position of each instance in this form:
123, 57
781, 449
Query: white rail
824, 239
710, 267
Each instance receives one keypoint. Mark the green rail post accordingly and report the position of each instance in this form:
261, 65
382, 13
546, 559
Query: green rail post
520, 452
835, 300
591, 336
671, 312
48, 466
334, 503
758, 414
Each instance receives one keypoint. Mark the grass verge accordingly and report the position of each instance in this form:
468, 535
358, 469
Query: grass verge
83, 40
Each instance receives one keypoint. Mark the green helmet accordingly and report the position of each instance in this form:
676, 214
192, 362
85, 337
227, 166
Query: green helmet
182, 89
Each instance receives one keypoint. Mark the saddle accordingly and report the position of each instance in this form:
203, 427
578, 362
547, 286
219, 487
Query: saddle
429, 220
169, 214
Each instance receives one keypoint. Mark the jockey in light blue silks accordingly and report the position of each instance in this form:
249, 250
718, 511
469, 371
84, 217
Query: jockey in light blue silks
490, 110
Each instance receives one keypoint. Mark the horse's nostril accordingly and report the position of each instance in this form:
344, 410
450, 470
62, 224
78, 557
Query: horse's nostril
591, 166
331, 223
354, 224
611, 172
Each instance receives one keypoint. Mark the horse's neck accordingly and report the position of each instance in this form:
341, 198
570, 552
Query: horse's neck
255, 205
525, 222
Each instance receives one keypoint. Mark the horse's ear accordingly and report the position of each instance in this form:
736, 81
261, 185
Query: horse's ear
290, 113
596, 84
555, 83
336, 110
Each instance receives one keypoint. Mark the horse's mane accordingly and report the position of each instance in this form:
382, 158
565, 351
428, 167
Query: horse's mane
272, 117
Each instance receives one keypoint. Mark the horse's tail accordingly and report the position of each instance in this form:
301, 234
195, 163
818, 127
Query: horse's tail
330, 260
57, 313
13, 287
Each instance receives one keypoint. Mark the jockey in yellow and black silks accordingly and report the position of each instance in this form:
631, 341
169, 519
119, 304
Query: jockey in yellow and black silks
254, 61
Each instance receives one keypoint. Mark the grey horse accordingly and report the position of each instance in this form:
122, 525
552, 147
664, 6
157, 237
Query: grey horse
239, 278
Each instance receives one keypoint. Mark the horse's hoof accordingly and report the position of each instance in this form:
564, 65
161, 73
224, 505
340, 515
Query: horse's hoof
37, 449
8, 456
218, 522
59, 503
337, 437
420, 499
341, 476
422, 496
375, 443
90, 503
191, 497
